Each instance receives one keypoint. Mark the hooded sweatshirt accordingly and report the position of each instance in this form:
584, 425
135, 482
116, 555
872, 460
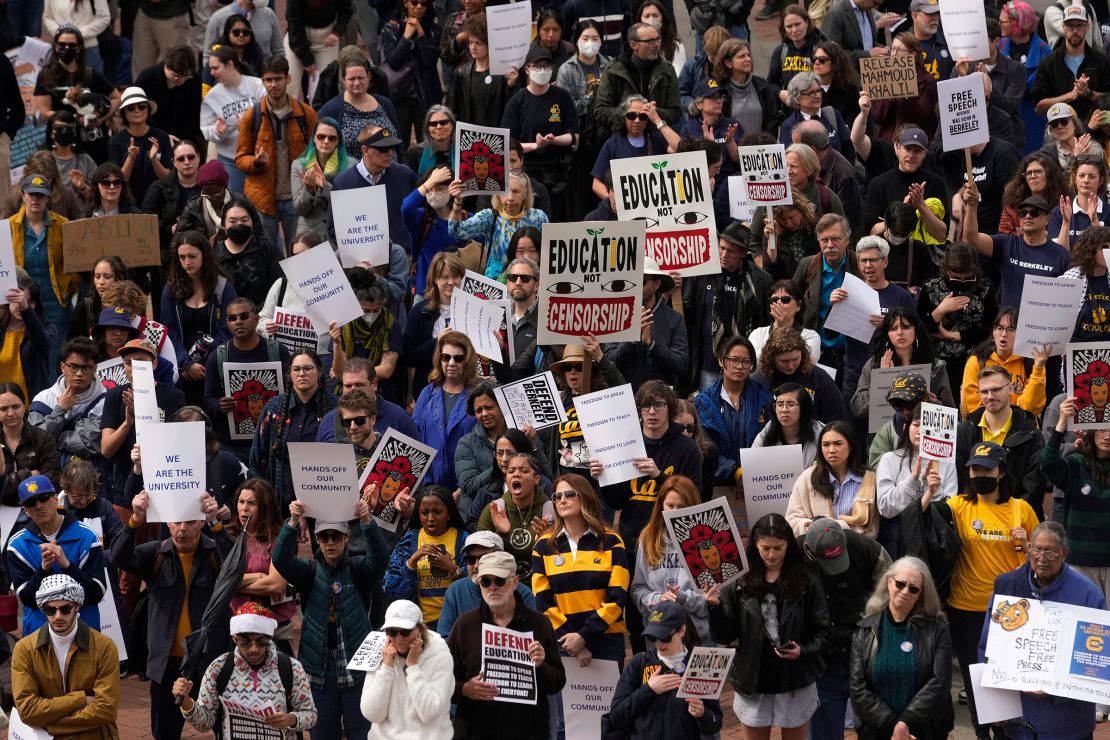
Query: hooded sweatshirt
76, 431
253, 270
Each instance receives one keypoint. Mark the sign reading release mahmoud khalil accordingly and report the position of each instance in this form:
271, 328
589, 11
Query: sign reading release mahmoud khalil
673, 195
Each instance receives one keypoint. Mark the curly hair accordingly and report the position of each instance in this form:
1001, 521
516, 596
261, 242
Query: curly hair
1017, 189
923, 350
1087, 248
178, 281
780, 342
128, 294
803, 206
845, 73
1087, 160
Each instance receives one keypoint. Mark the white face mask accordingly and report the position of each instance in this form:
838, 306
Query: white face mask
896, 240
370, 318
589, 49
656, 23
540, 75
437, 199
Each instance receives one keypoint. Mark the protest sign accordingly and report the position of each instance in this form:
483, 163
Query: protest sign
764, 171
325, 478
938, 433
110, 624
534, 401
709, 541
110, 373
320, 283
882, 380
146, 402
481, 159
671, 194
174, 470
739, 207
587, 696
294, 330
20, 730
399, 462
963, 112
889, 77
133, 238
479, 320
369, 653
769, 474
706, 673
483, 287
1088, 376
507, 665
591, 278
611, 427
509, 31
992, 705
852, 316
249, 723
1049, 309
8, 516
7, 259
250, 385
361, 225
965, 29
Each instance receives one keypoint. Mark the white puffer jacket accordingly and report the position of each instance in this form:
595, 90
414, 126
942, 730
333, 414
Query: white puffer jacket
413, 704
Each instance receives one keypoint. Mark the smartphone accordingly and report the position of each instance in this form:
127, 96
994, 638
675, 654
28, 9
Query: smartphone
1106, 118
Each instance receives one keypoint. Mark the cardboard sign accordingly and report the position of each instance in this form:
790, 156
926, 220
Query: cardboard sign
325, 478
938, 432
482, 159
1088, 373
587, 696
534, 401
509, 33
889, 77
133, 238
706, 673
591, 282
709, 541
963, 112
369, 653
1050, 308
611, 427
769, 474
399, 462
7, 259
882, 379
671, 193
319, 281
764, 171
250, 385
295, 330
361, 225
506, 663
965, 29
174, 470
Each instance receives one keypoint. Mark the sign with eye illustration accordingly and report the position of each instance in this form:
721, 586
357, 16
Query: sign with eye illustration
764, 172
672, 195
481, 159
591, 281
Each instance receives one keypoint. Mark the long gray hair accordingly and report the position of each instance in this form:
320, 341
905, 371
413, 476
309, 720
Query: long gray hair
928, 602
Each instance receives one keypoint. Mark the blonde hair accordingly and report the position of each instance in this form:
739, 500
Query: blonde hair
526, 186
652, 536
448, 262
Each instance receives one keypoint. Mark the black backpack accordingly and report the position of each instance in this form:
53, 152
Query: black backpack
285, 671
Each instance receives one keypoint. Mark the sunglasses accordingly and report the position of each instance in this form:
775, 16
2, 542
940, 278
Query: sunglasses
137, 106
184, 158
397, 631
240, 32
560, 495
785, 300
42, 498
903, 586
519, 278
635, 116
327, 137
1030, 212
355, 421
457, 359
690, 428
472, 559
575, 367
653, 638
491, 581
1058, 122
330, 536
65, 609
441, 122
112, 183
238, 316
821, 60
249, 642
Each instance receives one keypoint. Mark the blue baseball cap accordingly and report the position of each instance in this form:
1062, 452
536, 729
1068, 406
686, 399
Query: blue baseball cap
34, 486
987, 454
705, 88
117, 316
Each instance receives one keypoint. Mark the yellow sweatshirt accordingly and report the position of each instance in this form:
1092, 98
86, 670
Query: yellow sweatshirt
1029, 393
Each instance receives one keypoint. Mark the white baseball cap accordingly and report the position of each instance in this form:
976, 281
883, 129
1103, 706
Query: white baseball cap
402, 614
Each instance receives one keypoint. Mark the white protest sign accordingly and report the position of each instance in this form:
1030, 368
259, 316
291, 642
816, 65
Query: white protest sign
109, 615
671, 193
882, 380
965, 29
963, 112
325, 478
8, 515
110, 373
706, 673
769, 474
478, 319
507, 665
174, 470
992, 705
739, 207
588, 695
1049, 310
534, 401
249, 723
707, 536
611, 427
20, 730
509, 31
142, 390
369, 653
322, 286
295, 330
938, 432
483, 287
764, 171
250, 385
852, 316
481, 159
399, 462
361, 225
7, 259
591, 278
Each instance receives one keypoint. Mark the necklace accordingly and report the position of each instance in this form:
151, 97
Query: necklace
520, 538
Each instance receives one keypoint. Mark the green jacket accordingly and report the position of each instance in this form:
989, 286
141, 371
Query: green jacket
622, 79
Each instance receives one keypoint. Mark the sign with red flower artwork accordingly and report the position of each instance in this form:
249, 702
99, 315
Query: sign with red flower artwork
1088, 367
250, 385
399, 463
481, 159
706, 535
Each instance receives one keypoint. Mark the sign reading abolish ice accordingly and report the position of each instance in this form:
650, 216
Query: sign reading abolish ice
591, 278
361, 225
963, 112
764, 171
671, 193
174, 472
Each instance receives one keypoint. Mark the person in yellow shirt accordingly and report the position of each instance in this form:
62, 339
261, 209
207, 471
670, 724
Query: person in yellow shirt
994, 526
1028, 374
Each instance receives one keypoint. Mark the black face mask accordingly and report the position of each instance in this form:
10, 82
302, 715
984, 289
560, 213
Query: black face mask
66, 55
240, 233
64, 136
982, 485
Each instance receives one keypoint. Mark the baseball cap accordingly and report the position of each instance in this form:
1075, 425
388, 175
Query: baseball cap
914, 136
383, 138
36, 485
987, 454
115, 316
500, 564
925, 6
139, 345
829, 545
1075, 12
908, 387
705, 88
1036, 201
36, 184
664, 619
331, 527
485, 538
402, 614
538, 54
1060, 111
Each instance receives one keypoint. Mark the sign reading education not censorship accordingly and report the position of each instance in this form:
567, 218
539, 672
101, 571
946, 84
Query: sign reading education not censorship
764, 171
889, 77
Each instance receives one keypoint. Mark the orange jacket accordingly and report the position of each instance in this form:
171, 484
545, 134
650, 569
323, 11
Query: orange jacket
262, 179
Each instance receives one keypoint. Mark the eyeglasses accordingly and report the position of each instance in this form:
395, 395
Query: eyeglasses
112, 183
630, 116
397, 631
813, 93
42, 498
520, 278
657, 405
302, 369
240, 32
491, 581
786, 405
738, 362
574, 367
1030, 212
439, 122
65, 609
75, 368
471, 559
904, 586
994, 391
327, 137
505, 453
1034, 173
1048, 553
245, 316
560, 495
785, 300
1005, 329
248, 642
457, 359
656, 40
354, 421
330, 536
869, 260
690, 429
184, 158
821, 60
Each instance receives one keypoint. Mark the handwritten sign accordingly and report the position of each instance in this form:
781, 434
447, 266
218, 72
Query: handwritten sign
889, 77
174, 472
134, 238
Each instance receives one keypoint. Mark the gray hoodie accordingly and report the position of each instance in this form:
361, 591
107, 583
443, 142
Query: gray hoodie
650, 582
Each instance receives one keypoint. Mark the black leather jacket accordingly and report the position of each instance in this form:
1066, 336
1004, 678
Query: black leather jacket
929, 714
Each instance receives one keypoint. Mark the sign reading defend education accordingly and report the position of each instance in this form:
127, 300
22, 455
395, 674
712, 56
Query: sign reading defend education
889, 77
134, 238
507, 665
672, 194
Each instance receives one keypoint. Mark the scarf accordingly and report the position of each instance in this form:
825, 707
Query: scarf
428, 158
373, 339
504, 214
211, 215
331, 167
